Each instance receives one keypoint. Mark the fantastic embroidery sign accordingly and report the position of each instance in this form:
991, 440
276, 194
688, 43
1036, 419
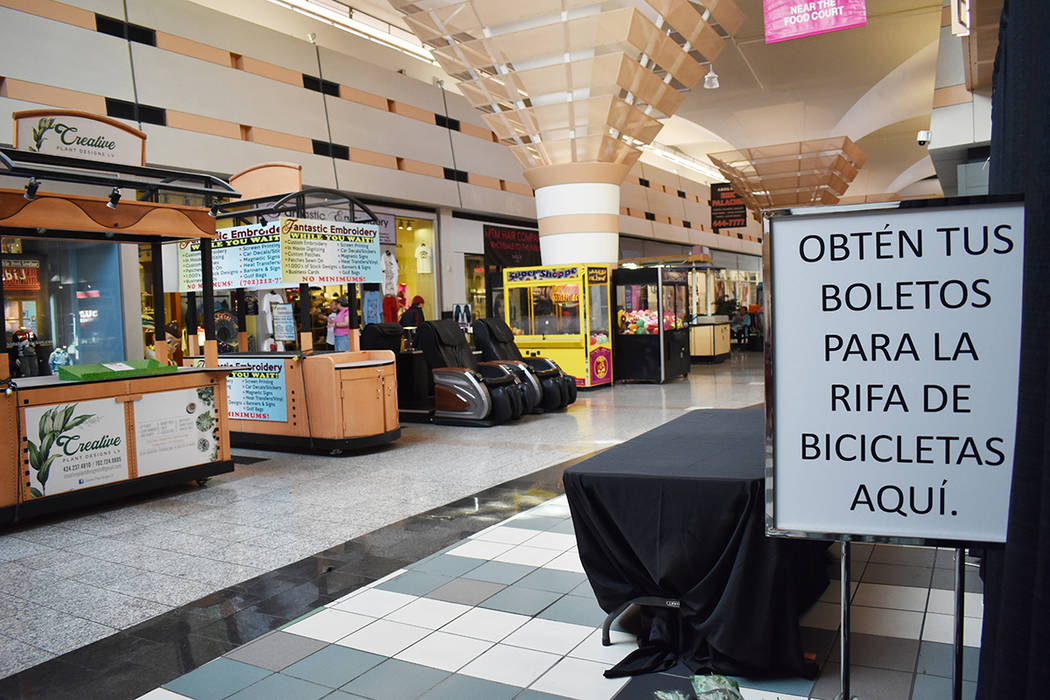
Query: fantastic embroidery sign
793, 19
896, 344
329, 252
242, 257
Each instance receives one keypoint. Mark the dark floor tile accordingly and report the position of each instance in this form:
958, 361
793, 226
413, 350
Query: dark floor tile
333, 666
394, 679
884, 652
499, 572
182, 654
216, 680
903, 556
898, 575
279, 687
276, 651
51, 679
264, 586
446, 565
553, 580
457, 687
867, 683
243, 627
642, 687
112, 652
416, 583
540, 522
575, 610
937, 688
298, 600
818, 644
220, 604
171, 625
466, 591
523, 601
937, 659
945, 580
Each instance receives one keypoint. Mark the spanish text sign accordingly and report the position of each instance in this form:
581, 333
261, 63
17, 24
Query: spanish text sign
793, 19
896, 341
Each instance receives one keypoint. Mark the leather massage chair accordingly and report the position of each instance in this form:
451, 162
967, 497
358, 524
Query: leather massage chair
467, 392
495, 339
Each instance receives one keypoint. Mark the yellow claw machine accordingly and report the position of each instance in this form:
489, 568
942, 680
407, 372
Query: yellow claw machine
562, 312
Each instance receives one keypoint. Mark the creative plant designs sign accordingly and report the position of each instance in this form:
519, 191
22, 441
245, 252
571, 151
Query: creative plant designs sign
75, 446
896, 338
329, 252
243, 257
78, 135
176, 429
792, 19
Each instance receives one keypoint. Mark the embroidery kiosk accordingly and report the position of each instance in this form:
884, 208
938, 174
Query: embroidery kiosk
101, 431
300, 400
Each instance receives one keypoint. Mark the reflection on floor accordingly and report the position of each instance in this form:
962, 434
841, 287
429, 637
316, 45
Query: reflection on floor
124, 599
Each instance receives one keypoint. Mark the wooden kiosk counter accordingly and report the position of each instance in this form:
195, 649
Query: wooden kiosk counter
102, 431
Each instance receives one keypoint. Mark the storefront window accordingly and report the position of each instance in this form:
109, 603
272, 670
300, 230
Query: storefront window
599, 307
474, 274
63, 294
408, 268
556, 309
518, 311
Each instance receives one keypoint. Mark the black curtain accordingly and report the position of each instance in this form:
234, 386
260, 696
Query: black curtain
1015, 645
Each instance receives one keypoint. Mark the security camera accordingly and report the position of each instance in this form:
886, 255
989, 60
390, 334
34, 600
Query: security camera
923, 137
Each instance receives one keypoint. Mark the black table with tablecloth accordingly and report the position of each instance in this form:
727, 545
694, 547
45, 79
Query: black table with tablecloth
678, 513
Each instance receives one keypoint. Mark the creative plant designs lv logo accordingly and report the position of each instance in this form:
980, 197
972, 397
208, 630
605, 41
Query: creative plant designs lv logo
40, 132
51, 427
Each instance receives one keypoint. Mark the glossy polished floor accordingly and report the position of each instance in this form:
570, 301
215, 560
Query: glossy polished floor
442, 567
72, 580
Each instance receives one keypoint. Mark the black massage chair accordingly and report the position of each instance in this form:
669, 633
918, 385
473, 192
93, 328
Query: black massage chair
467, 392
495, 339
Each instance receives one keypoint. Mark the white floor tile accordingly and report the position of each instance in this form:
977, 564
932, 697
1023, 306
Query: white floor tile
429, 613
374, 603
553, 540
448, 652
548, 635
579, 679
480, 549
570, 561
904, 624
877, 595
822, 615
526, 556
591, 648
832, 593
941, 628
162, 694
504, 534
944, 602
756, 694
510, 665
384, 637
490, 625
329, 625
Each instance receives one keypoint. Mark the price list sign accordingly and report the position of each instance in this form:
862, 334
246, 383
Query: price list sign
896, 346
243, 257
329, 252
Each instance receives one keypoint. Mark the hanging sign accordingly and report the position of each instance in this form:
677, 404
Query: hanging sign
329, 252
793, 19
243, 257
75, 446
386, 222
79, 135
727, 207
896, 344
21, 275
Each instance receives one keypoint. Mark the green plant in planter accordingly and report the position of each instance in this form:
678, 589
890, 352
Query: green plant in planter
52, 425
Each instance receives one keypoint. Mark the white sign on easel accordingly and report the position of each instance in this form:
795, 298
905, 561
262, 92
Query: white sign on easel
896, 345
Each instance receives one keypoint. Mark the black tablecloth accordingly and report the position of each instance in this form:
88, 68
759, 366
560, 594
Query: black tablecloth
679, 512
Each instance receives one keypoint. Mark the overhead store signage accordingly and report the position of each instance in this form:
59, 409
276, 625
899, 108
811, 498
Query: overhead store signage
285, 254
896, 344
79, 135
387, 222
793, 19
544, 274
727, 207
21, 275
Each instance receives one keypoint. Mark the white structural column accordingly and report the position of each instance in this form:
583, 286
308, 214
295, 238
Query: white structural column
579, 222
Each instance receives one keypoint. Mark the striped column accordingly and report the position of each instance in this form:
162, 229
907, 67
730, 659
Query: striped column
579, 217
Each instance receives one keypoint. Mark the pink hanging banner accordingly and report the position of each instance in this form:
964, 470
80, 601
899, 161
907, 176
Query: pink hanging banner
792, 19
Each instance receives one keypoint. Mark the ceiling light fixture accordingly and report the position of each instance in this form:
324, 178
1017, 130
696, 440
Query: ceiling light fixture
114, 198
31, 187
711, 79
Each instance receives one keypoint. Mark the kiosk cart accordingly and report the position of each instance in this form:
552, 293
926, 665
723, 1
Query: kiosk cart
562, 312
652, 312
121, 427
302, 400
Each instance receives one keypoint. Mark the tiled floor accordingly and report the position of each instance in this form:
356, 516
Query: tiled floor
167, 583
508, 613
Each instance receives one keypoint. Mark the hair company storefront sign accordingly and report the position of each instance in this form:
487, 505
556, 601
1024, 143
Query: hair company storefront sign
793, 19
63, 132
896, 344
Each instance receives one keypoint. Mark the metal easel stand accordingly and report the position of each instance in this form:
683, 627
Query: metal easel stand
960, 609
844, 625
